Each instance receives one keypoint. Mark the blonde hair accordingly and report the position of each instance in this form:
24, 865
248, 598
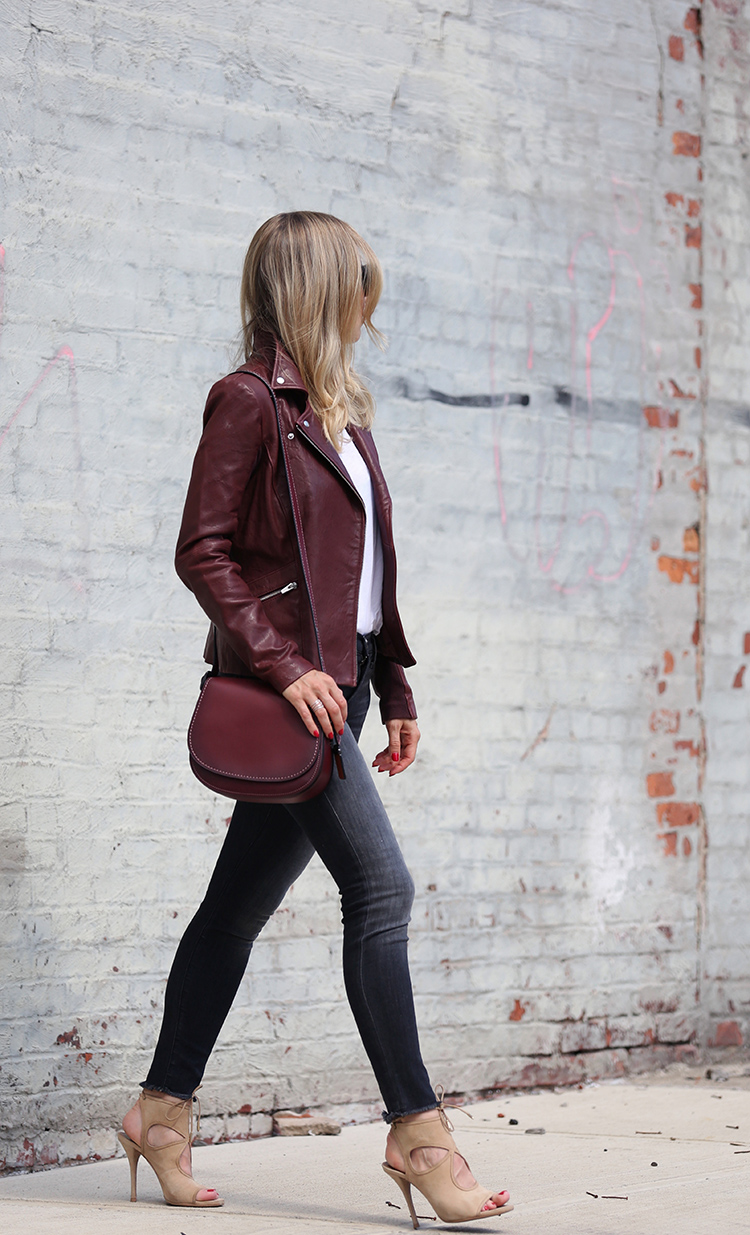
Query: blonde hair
303, 280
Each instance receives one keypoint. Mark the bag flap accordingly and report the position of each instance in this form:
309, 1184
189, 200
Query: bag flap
243, 728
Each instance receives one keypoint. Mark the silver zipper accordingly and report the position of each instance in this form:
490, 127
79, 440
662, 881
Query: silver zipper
280, 591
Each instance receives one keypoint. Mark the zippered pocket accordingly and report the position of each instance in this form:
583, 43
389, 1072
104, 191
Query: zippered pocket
280, 591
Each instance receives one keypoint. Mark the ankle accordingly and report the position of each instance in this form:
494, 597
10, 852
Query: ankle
418, 1116
164, 1097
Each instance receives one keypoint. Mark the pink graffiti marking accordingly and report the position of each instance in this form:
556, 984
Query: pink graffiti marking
546, 559
63, 356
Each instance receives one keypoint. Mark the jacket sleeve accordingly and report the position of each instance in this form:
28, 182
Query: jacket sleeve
227, 456
393, 690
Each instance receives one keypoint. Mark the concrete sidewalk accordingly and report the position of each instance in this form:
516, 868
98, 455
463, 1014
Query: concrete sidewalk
620, 1158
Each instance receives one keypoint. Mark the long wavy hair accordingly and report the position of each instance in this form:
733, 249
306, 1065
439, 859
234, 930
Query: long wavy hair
304, 279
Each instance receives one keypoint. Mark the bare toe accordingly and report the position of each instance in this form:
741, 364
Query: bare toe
206, 1194
497, 1200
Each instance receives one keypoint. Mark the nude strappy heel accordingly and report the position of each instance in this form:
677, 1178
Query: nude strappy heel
178, 1187
451, 1202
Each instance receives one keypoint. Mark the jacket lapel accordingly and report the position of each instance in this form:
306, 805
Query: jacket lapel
308, 426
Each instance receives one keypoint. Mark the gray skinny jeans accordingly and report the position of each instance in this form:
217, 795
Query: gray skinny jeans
266, 849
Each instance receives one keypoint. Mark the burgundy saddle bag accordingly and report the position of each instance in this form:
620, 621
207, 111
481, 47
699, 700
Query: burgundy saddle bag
246, 741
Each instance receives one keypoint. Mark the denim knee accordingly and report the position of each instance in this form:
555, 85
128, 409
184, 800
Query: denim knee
388, 902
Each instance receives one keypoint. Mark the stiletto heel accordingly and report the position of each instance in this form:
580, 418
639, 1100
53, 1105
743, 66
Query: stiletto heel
405, 1187
133, 1153
451, 1201
178, 1187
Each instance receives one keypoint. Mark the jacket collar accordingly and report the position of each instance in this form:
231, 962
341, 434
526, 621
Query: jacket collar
270, 355
275, 363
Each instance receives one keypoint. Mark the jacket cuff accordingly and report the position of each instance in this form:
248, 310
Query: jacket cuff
291, 668
393, 690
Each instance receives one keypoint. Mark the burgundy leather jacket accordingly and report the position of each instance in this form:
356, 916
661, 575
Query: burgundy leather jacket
237, 549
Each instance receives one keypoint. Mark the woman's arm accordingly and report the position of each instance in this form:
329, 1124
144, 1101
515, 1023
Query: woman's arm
401, 751
227, 456
393, 690
399, 715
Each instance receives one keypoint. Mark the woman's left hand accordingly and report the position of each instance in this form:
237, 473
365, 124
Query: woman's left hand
403, 737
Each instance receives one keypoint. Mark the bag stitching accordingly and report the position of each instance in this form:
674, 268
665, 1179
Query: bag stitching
238, 775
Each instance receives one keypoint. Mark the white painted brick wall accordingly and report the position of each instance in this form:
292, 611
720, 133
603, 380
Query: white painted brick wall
533, 177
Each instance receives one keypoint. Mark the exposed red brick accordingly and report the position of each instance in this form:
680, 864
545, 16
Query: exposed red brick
692, 21
677, 393
693, 207
687, 848
70, 1038
698, 357
676, 47
661, 417
48, 1155
26, 1156
664, 720
668, 662
728, 1033
659, 785
739, 678
655, 543
693, 236
685, 1050
675, 199
519, 1011
696, 635
677, 568
690, 747
691, 540
670, 843
678, 814
667, 932
687, 144
661, 687
746, 643
697, 290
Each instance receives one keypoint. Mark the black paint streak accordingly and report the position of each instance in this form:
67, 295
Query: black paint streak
498, 400
613, 411
426, 394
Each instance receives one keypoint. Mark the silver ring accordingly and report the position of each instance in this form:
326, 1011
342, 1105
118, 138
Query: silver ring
317, 704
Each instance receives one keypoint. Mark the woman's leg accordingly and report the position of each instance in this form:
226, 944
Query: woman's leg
263, 853
349, 828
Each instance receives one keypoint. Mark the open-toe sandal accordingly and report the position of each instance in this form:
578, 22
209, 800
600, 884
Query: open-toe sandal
178, 1186
438, 1185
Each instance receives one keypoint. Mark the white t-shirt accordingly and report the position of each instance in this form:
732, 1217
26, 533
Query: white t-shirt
370, 604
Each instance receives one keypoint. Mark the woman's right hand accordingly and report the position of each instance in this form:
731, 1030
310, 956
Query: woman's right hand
319, 701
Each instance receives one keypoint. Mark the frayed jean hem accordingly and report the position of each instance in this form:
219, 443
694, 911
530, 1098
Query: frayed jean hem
389, 1116
183, 1097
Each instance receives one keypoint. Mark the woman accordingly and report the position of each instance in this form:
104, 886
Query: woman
309, 285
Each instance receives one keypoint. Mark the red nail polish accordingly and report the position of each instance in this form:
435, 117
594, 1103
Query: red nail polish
341, 733
396, 756
315, 733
